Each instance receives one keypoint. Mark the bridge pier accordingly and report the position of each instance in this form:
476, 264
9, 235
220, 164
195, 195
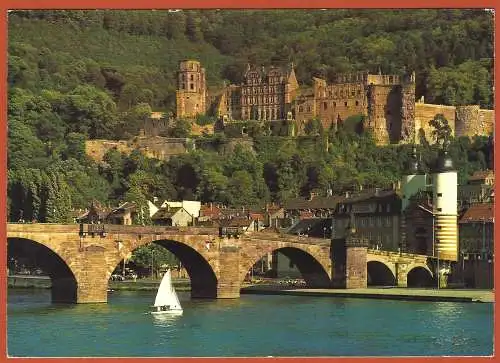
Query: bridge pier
401, 274
229, 285
91, 275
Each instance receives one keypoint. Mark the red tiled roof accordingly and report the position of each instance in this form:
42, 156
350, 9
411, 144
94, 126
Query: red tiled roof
479, 213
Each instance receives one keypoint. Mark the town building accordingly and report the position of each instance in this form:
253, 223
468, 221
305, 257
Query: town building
172, 216
478, 189
477, 246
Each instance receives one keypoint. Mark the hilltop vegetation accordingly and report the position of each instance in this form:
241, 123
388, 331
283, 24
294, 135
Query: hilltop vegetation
77, 75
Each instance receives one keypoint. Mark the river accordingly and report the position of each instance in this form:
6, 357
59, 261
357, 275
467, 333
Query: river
254, 325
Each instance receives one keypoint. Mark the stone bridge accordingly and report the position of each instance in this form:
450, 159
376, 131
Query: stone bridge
80, 264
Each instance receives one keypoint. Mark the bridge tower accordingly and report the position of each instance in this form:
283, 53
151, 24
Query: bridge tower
444, 176
350, 259
413, 181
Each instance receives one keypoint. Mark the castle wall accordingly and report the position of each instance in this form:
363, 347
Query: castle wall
154, 147
340, 102
425, 112
471, 121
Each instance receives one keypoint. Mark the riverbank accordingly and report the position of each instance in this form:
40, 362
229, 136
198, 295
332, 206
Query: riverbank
44, 282
393, 293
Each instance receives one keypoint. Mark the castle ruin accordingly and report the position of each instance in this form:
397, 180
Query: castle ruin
386, 101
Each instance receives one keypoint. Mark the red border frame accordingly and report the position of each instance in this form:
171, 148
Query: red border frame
187, 4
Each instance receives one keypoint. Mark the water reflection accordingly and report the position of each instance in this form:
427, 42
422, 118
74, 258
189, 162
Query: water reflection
165, 320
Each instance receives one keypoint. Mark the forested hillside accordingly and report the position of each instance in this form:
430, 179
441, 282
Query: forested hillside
77, 75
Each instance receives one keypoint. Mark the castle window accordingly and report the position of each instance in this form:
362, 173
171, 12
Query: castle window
335, 104
440, 194
191, 86
345, 104
357, 103
192, 78
325, 105
440, 209
301, 109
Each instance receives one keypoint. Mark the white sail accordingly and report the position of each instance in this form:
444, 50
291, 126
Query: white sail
166, 295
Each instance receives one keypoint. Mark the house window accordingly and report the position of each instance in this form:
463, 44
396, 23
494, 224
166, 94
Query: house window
192, 78
440, 194
440, 209
357, 103
325, 105
301, 109
345, 104
191, 86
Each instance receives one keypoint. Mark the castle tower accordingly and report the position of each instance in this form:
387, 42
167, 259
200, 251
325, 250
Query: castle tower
377, 101
444, 189
408, 109
414, 180
191, 89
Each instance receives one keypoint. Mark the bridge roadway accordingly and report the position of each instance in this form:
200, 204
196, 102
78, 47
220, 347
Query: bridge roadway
80, 264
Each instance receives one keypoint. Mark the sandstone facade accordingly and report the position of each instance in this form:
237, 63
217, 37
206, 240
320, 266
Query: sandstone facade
191, 94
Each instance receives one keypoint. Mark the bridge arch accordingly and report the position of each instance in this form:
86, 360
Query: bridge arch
313, 270
52, 262
419, 275
379, 273
201, 272
198, 260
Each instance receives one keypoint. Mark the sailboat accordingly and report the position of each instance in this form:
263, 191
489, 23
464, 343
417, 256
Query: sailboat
166, 301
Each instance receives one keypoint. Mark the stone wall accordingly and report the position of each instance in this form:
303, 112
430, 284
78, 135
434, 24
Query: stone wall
425, 112
471, 121
154, 147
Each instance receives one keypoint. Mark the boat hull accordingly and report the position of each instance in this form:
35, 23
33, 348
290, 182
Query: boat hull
167, 312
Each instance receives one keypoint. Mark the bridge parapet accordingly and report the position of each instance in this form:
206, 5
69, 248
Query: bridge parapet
271, 236
110, 228
393, 256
